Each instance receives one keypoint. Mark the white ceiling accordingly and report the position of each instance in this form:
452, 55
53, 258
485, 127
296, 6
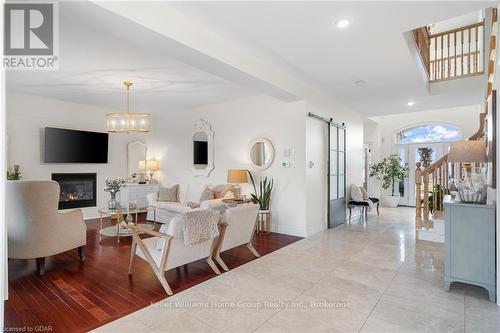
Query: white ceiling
96, 56
302, 36
99, 49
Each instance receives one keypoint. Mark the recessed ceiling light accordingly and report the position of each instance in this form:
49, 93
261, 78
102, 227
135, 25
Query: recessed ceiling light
360, 83
343, 23
411, 103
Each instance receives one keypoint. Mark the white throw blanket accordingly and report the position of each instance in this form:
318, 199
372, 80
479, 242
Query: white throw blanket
200, 225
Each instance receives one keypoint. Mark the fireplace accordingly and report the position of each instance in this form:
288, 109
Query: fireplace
77, 189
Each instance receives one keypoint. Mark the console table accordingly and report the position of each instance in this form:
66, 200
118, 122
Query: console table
470, 245
136, 193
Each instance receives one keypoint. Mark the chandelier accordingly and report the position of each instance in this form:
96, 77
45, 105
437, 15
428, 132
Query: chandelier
127, 122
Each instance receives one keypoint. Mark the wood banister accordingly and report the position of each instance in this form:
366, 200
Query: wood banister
451, 54
482, 125
434, 178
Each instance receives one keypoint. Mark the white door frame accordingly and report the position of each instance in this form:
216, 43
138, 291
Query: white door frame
441, 148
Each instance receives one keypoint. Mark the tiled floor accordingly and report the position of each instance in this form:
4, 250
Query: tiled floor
368, 278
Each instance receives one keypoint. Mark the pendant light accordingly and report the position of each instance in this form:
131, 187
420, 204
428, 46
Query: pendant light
128, 122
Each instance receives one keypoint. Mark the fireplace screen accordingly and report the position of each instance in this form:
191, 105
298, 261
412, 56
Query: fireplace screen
77, 189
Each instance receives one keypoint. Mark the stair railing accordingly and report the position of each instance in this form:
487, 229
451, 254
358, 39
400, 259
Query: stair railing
451, 54
432, 181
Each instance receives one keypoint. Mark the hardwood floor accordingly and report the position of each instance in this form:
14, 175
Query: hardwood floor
74, 296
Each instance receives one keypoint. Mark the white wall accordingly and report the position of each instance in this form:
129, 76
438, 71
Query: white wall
4, 288
371, 137
466, 118
236, 123
380, 131
28, 114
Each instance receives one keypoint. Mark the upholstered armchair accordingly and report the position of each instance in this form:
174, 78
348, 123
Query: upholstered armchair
35, 227
239, 230
167, 248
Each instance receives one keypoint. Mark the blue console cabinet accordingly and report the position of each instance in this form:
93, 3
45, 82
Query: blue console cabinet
470, 245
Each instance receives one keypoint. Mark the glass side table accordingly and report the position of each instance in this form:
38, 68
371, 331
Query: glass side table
120, 215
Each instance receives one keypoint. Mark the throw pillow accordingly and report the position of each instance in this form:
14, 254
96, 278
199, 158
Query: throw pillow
168, 194
224, 191
364, 193
193, 204
207, 194
356, 194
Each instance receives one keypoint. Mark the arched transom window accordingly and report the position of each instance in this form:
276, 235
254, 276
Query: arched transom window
428, 133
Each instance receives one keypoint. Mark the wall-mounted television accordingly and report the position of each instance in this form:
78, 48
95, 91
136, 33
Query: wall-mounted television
71, 146
200, 152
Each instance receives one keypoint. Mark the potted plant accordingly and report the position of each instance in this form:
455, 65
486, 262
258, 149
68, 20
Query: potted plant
390, 170
263, 196
14, 175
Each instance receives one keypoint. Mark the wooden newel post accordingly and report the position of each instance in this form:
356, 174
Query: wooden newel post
426, 196
418, 185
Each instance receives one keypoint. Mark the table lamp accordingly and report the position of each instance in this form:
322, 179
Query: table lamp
467, 151
150, 166
237, 176
473, 187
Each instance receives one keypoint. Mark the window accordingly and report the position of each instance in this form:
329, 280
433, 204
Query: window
428, 133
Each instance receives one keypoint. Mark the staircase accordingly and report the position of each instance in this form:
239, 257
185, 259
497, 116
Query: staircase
434, 179
449, 55
452, 54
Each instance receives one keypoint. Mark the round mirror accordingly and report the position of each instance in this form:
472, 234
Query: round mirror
261, 153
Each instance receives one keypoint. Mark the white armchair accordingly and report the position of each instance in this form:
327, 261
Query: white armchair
167, 250
239, 230
35, 227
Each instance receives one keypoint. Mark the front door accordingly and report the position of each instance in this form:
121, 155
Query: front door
426, 154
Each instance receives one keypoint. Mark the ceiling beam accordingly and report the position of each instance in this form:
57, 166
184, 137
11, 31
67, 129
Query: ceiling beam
198, 46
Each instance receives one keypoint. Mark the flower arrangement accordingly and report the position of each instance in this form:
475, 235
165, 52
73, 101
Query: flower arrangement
113, 185
14, 175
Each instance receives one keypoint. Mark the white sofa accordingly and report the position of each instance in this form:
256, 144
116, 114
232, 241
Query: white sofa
166, 211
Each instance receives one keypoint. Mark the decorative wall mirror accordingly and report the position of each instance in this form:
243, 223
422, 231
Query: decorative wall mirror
203, 148
136, 151
261, 153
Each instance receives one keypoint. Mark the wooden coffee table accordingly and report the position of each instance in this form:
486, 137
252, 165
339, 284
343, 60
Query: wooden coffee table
234, 202
120, 215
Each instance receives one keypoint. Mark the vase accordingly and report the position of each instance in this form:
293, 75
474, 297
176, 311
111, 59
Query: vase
112, 203
474, 187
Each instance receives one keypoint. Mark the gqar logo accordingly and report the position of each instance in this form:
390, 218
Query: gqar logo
29, 32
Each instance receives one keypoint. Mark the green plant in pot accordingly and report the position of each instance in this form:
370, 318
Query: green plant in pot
262, 196
390, 170
14, 175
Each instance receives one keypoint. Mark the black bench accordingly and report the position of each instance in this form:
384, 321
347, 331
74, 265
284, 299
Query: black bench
364, 206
